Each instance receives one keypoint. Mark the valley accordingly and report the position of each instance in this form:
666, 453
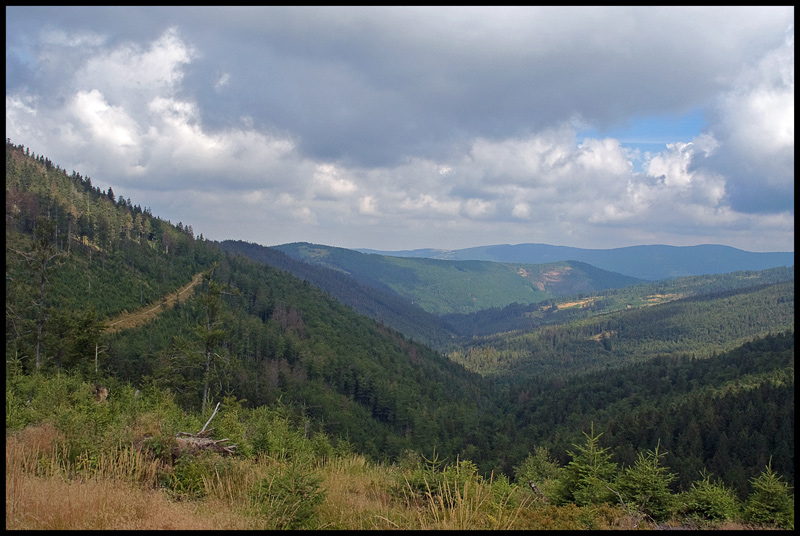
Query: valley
388, 374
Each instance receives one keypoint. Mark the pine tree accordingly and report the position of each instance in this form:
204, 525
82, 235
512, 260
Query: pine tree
770, 502
711, 500
645, 485
589, 474
211, 333
40, 261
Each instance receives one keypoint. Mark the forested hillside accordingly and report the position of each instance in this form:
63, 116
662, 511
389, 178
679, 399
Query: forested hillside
729, 413
516, 317
382, 305
445, 287
698, 325
251, 331
677, 397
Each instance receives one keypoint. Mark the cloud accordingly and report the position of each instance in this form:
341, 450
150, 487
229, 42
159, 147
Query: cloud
754, 123
408, 124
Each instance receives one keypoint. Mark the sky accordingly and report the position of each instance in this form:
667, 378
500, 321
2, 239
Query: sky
421, 127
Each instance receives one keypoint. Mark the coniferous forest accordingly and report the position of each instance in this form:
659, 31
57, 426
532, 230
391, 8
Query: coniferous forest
197, 384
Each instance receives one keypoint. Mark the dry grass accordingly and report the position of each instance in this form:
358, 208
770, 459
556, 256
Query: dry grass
51, 503
119, 490
358, 497
113, 492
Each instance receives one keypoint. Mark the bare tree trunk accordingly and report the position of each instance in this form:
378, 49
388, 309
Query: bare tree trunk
40, 320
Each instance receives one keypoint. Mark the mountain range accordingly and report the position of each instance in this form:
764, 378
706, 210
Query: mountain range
651, 262
460, 286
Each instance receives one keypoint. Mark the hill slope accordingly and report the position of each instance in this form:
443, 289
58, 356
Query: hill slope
443, 287
378, 303
644, 262
249, 331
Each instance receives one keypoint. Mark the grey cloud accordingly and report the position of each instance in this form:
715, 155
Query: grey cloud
370, 86
392, 96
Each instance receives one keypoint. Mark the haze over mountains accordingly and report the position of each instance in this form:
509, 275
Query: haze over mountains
651, 262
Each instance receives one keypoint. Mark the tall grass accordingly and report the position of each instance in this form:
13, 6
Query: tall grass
468, 506
119, 489
45, 491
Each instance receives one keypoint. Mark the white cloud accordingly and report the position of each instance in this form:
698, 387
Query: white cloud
603, 156
672, 166
330, 184
759, 111
132, 116
110, 126
754, 123
136, 73
368, 206
478, 208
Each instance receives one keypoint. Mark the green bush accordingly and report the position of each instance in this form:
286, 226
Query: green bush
188, 474
540, 469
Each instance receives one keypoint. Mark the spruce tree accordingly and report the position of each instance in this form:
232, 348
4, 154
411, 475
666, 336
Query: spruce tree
645, 486
770, 502
589, 474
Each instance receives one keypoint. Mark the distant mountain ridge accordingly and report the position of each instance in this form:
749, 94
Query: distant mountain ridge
449, 286
651, 262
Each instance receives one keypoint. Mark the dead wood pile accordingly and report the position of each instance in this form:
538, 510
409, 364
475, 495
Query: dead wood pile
194, 443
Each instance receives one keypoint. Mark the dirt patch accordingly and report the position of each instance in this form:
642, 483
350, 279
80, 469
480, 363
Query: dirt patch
579, 303
146, 314
655, 299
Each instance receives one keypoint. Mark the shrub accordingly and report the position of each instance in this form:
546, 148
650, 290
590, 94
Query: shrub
189, 475
540, 469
